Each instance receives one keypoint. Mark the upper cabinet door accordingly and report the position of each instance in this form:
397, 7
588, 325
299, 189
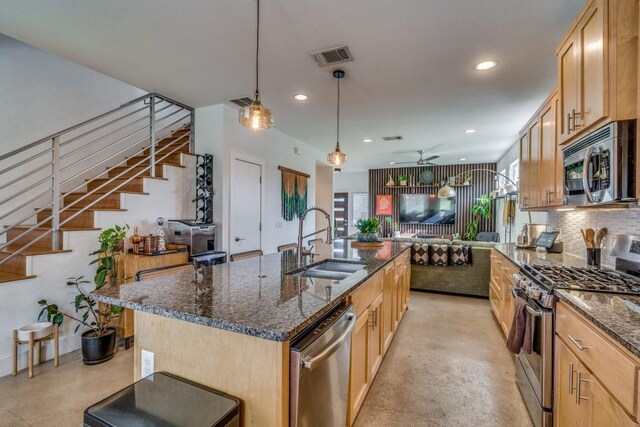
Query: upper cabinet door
593, 72
523, 198
550, 156
568, 77
534, 164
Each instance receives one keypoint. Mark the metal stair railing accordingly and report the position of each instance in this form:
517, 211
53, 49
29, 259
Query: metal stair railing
38, 176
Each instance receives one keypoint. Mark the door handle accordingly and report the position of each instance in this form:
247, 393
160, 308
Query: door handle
312, 363
238, 239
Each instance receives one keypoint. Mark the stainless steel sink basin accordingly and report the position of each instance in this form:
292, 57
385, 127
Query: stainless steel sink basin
331, 270
340, 267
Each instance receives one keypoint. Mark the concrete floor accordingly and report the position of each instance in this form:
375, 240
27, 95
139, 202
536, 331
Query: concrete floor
447, 366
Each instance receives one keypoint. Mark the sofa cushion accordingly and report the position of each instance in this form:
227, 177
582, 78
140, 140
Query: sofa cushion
460, 254
420, 254
439, 255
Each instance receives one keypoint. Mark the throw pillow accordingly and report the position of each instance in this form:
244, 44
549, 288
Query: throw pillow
439, 255
460, 254
419, 254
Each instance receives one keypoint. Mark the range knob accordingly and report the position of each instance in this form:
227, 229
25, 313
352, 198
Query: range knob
534, 292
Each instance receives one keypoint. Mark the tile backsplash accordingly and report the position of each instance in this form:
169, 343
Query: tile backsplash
570, 222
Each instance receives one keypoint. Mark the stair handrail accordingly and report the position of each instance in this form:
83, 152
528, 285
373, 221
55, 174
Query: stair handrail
58, 183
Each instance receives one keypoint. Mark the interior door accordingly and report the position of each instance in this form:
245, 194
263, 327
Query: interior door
246, 206
341, 214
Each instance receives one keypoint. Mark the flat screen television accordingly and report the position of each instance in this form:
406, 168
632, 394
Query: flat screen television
427, 209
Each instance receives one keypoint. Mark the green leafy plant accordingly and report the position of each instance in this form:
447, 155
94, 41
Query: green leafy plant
93, 316
368, 226
392, 224
111, 241
481, 209
403, 178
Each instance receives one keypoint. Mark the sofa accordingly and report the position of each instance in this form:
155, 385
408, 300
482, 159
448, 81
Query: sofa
472, 279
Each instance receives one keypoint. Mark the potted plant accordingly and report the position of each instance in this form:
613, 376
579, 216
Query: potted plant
368, 230
482, 209
98, 343
402, 179
393, 225
467, 179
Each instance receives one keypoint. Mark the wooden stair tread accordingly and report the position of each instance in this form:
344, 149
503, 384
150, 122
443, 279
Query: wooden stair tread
85, 209
125, 178
12, 277
143, 193
33, 251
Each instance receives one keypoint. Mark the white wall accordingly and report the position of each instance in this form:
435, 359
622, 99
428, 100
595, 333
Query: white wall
522, 217
351, 182
219, 133
41, 94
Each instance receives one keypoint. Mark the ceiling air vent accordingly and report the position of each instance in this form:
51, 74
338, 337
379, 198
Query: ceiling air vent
392, 138
242, 102
334, 55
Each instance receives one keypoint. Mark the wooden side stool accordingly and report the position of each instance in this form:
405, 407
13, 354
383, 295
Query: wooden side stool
32, 334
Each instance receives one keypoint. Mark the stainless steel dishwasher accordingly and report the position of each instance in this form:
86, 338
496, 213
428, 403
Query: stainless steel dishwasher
320, 359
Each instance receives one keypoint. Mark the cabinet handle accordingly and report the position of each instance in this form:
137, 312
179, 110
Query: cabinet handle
575, 126
568, 123
578, 343
571, 386
579, 380
375, 318
371, 319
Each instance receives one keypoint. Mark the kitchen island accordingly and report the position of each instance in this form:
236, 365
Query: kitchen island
229, 326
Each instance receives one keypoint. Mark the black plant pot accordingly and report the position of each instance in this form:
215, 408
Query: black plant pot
97, 350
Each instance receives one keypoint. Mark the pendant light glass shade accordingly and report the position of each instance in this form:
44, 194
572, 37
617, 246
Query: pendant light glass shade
256, 116
446, 191
337, 157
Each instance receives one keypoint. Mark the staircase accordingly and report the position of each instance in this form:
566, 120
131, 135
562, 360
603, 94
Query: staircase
58, 185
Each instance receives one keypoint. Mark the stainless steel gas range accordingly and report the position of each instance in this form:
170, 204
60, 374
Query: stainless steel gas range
536, 285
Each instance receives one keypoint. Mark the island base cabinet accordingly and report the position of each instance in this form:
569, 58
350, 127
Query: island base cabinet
359, 377
580, 400
254, 370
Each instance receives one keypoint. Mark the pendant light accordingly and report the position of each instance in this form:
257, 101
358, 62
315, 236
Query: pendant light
256, 116
337, 157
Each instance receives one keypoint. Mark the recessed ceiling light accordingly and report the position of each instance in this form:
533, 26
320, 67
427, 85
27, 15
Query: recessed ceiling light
469, 131
486, 65
366, 141
392, 163
462, 159
300, 97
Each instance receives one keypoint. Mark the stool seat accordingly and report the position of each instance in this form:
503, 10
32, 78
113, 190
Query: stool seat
40, 330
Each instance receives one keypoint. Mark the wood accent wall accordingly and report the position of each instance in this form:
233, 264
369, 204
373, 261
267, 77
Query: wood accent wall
481, 183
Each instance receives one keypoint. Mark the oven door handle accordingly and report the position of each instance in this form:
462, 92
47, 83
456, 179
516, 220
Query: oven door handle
532, 312
312, 363
585, 174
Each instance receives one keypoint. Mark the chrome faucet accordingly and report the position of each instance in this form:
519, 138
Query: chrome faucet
301, 250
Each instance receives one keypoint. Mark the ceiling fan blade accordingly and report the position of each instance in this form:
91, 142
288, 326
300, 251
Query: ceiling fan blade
403, 163
431, 158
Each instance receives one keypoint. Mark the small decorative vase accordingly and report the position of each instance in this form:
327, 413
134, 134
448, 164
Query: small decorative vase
390, 183
368, 237
136, 240
403, 182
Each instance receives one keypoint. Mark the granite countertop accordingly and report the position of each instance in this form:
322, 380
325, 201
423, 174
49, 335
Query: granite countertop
616, 315
254, 296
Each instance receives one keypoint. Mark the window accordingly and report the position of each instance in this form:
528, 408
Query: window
514, 171
360, 206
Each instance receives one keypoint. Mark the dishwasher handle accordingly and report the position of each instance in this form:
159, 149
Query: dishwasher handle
313, 362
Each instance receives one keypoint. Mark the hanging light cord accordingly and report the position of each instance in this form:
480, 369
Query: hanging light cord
338, 121
257, 42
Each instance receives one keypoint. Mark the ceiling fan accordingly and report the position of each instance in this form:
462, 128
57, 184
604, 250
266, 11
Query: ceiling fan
420, 162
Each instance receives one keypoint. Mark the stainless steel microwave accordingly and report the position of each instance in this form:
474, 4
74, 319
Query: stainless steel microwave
600, 167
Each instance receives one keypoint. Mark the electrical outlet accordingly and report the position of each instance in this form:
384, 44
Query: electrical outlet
147, 363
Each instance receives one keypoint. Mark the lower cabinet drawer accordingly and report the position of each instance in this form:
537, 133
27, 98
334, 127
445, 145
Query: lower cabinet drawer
367, 293
614, 369
495, 301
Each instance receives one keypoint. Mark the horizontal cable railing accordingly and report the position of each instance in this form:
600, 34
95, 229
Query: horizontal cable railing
126, 142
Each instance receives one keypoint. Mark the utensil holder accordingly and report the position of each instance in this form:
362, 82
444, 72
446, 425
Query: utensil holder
593, 256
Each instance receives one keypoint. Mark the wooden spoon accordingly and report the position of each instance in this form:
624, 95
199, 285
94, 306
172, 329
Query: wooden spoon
590, 235
600, 236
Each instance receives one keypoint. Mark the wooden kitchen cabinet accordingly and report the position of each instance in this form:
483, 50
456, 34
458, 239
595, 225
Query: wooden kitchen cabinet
597, 68
606, 373
388, 297
359, 378
376, 338
580, 399
541, 171
500, 290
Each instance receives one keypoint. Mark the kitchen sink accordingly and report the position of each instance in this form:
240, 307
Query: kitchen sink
331, 270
